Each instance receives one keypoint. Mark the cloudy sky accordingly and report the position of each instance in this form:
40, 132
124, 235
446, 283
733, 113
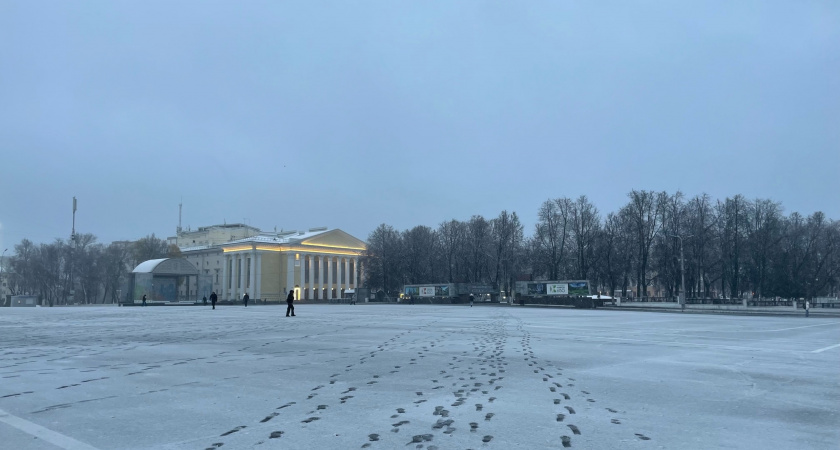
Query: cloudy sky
300, 114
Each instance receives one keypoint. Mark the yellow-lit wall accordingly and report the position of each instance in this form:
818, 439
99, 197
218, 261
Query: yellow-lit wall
270, 283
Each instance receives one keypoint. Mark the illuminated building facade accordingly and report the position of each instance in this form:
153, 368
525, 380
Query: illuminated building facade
319, 264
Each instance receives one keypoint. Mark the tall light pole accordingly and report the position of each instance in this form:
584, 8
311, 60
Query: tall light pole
682, 270
2, 258
72, 254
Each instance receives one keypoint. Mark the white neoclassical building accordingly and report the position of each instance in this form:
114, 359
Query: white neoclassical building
318, 264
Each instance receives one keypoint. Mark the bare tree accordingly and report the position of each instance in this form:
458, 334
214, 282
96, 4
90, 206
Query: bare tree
732, 229
419, 247
585, 223
148, 248
22, 280
550, 242
477, 245
115, 268
764, 227
451, 237
701, 248
644, 211
381, 259
507, 235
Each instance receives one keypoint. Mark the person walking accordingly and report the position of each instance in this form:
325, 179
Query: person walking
144, 299
204, 300
245, 299
472, 299
213, 299
290, 301
807, 307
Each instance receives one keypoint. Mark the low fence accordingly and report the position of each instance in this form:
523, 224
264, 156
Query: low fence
818, 302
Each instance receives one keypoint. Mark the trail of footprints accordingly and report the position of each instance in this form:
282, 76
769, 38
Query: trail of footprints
556, 387
464, 380
345, 397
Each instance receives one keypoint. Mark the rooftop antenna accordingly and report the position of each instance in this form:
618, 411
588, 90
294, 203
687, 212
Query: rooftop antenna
180, 207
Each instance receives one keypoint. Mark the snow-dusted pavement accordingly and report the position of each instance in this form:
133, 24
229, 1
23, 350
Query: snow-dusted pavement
421, 376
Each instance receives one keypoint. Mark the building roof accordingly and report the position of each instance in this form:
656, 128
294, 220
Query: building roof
315, 236
148, 266
166, 266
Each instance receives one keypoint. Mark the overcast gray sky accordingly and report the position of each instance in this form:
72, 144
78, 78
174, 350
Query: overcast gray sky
351, 114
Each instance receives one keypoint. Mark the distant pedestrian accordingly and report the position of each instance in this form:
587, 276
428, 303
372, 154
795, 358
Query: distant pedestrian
144, 299
204, 300
290, 301
807, 307
472, 299
352, 299
213, 299
245, 299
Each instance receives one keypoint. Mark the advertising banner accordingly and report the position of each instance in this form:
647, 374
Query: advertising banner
557, 289
536, 288
579, 288
427, 291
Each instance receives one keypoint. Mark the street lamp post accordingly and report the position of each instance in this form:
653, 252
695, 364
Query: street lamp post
682, 271
2, 257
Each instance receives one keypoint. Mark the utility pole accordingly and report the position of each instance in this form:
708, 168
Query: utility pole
72, 253
3, 290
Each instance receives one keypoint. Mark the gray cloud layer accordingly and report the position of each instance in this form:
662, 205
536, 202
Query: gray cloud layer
300, 114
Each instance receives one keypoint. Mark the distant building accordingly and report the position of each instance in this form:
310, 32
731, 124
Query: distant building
213, 235
318, 264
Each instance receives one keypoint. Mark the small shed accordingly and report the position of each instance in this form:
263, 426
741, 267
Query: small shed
160, 280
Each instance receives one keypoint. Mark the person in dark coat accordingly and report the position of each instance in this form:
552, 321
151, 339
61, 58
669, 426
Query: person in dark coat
213, 299
204, 300
290, 300
472, 299
245, 299
144, 299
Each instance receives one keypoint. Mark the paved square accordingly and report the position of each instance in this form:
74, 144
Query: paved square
421, 376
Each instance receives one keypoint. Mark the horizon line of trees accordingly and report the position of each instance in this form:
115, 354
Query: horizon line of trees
732, 248
79, 270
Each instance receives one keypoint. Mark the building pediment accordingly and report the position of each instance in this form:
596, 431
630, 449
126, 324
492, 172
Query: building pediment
335, 239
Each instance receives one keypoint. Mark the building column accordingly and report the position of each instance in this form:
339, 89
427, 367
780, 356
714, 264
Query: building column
347, 273
252, 286
310, 284
321, 277
361, 274
339, 283
223, 291
302, 265
329, 277
290, 273
258, 287
355, 273
240, 279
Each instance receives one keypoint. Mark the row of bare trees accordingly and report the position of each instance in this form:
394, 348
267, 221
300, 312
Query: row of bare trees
80, 270
478, 250
732, 248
